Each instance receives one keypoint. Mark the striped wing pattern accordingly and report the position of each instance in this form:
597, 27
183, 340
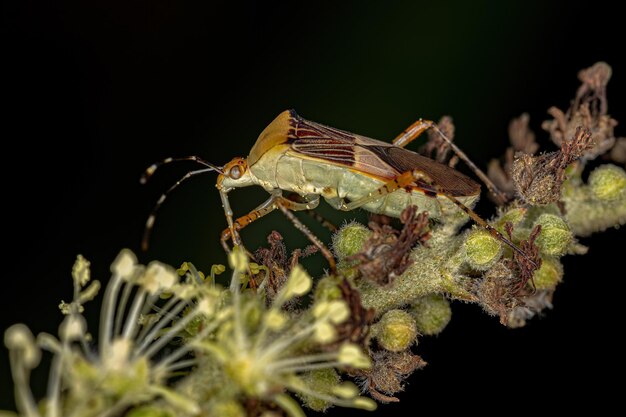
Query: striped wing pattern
321, 141
372, 157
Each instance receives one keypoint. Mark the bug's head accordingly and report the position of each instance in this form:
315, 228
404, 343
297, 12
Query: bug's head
235, 174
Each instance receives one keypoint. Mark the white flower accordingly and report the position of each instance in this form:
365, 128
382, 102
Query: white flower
352, 355
238, 260
298, 283
254, 350
158, 278
124, 264
345, 390
119, 353
19, 338
324, 333
73, 327
335, 311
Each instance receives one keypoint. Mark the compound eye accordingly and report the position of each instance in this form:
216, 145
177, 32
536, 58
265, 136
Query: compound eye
235, 172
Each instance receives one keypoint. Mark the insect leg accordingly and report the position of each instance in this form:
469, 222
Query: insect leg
401, 181
228, 212
416, 129
412, 132
483, 223
284, 206
321, 219
267, 207
410, 177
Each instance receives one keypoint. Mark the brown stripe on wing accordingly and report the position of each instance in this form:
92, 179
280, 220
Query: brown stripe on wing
326, 149
319, 141
372, 157
305, 129
446, 178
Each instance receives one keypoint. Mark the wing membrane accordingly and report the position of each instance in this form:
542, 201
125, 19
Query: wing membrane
373, 157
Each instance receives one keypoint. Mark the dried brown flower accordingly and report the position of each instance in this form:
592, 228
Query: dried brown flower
277, 263
525, 265
618, 153
593, 89
385, 255
437, 148
388, 372
356, 328
533, 304
495, 291
503, 288
538, 179
589, 110
522, 139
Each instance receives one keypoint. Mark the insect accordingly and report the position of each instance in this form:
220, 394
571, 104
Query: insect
347, 170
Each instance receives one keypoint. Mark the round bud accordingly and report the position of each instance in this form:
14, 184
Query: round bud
608, 183
555, 235
327, 289
481, 249
319, 381
432, 314
514, 215
348, 269
396, 330
349, 239
549, 274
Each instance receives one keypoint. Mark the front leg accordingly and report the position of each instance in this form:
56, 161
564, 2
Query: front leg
287, 206
288, 212
271, 204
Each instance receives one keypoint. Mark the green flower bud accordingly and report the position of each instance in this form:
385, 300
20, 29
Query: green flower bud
549, 274
555, 235
514, 215
608, 183
396, 330
327, 289
482, 250
432, 314
348, 269
349, 239
321, 381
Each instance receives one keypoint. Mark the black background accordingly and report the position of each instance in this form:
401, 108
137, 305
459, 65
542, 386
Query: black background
93, 92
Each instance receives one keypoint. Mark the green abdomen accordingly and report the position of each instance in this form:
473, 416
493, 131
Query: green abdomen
333, 182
